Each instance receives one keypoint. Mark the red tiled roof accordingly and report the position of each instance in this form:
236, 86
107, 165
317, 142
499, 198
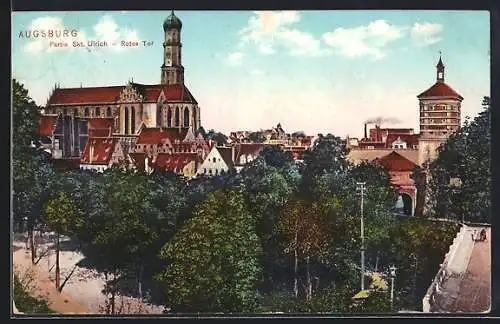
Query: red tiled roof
103, 149
47, 124
440, 89
174, 162
227, 155
95, 95
85, 95
396, 162
155, 135
409, 139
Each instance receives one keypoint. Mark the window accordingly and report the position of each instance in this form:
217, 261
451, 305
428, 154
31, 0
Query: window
86, 111
108, 112
186, 117
75, 112
65, 111
216, 171
97, 111
204, 170
177, 116
210, 171
214, 160
132, 126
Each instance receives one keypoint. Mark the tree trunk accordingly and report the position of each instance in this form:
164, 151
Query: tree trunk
139, 281
296, 268
58, 270
309, 281
32, 245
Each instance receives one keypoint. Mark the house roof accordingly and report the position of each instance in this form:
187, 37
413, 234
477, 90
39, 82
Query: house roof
47, 125
246, 149
103, 149
227, 155
396, 162
174, 162
440, 89
111, 94
155, 135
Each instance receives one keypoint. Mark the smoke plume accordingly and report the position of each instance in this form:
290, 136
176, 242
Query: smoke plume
380, 120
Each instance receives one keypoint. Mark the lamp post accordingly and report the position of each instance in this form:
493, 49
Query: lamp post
361, 188
392, 272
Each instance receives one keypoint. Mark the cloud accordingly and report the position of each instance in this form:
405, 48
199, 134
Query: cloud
106, 29
235, 58
269, 30
370, 40
426, 33
55, 25
257, 72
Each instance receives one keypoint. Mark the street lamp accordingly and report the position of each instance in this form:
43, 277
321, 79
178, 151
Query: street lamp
392, 272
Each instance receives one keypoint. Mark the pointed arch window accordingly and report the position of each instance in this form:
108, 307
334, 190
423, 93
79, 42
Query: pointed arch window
97, 111
177, 116
186, 117
108, 112
126, 121
132, 126
169, 117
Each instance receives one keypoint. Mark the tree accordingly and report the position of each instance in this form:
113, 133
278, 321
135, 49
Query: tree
464, 156
257, 137
25, 114
218, 137
213, 260
63, 216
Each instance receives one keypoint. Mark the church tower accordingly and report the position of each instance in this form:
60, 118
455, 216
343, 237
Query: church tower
440, 107
172, 71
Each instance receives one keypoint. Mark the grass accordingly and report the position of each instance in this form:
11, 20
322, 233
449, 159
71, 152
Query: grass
26, 303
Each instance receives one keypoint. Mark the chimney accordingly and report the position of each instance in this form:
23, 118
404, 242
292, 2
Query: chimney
366, 135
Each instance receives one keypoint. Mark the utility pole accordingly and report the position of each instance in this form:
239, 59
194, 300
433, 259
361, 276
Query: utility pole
361, 188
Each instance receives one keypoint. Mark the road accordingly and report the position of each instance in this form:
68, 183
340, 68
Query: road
470, 293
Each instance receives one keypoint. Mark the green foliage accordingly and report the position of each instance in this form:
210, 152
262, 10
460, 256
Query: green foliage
218, 137
24, 117
63, 215
465, 155
213, 260
26, 303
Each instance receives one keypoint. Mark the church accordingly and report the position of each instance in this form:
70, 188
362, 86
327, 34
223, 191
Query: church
134, 105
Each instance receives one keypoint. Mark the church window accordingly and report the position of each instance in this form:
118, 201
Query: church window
125, 122
97, 112
177, 116
133, 121
169, 117
108, 112
186, 117
86, 111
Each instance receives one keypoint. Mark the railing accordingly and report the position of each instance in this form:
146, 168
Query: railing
443, 273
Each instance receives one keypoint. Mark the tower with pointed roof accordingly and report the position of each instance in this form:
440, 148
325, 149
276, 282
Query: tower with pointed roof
172, 71
440, 108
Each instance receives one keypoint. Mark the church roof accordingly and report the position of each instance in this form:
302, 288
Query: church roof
111, 94
172, 21
103, 150
155, 135
396, 162
440, 89
47, 125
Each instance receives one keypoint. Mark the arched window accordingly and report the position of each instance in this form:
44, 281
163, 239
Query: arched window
86, 111
169, 117
126, 121
186, 117
97, 111
194, 116
75, 112
133, 121
177, 116
108, 112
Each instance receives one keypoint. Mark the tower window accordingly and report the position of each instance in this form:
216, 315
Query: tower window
108, 112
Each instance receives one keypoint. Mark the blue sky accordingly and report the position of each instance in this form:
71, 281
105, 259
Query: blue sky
317, 71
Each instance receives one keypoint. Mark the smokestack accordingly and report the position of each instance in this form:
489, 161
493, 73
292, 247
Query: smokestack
366, 135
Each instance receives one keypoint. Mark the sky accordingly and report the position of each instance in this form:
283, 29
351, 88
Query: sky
315, 71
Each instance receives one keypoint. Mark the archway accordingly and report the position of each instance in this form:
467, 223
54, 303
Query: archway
407, 204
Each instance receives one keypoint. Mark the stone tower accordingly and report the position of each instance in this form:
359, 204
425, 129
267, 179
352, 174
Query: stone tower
172, 71
439, 115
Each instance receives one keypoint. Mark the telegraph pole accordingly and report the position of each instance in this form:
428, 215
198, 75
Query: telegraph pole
361, 188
